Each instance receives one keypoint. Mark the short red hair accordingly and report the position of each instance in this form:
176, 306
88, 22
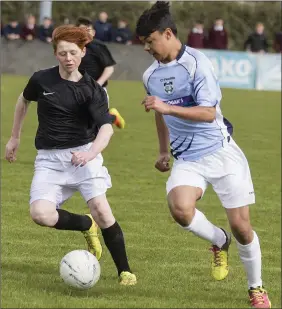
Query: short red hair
72, 34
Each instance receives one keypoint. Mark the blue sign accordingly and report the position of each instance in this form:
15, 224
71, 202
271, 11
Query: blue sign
233, 69
269, 72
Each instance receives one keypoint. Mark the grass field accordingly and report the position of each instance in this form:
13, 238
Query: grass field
173, 266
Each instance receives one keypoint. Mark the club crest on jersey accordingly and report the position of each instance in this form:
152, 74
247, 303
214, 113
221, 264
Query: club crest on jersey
168, 87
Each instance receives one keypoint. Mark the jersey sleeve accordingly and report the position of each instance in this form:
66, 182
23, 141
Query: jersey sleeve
30, 92
145, 83
98, 106
146, 89
205, 84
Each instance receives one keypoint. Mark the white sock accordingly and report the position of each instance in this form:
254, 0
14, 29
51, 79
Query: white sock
201, 227
251, 258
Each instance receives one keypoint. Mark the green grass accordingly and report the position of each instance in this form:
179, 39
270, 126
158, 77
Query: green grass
173, 266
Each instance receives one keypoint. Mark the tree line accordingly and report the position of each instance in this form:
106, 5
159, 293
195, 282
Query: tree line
240, 17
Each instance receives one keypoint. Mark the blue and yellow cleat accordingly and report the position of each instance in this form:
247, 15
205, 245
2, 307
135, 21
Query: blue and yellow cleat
220, 268
92, 239
119, 122
127, 278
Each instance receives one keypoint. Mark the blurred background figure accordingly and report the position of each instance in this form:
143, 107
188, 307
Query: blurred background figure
257, 42
12, 31
86, 23
197, 37
29, 30
103, 28
277, 43
122, 34
136, 40
218, 37
46, 30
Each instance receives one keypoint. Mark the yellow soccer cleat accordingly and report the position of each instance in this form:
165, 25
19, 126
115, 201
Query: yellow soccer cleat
127, 278
219, 263
119, 122
91, 236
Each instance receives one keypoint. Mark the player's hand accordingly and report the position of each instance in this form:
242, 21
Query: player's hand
11, 149
153, 102
80, 158
162, 163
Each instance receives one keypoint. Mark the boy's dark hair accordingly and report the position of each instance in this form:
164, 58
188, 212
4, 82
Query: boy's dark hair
157, 18
84, 21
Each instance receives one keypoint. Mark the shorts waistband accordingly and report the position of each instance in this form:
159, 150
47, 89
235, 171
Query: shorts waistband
82, 147
224, 143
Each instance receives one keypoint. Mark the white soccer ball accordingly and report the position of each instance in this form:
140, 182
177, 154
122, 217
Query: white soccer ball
80, 269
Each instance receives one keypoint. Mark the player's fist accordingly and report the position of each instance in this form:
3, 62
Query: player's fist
162, 163
11, 149
153, 102
80, 158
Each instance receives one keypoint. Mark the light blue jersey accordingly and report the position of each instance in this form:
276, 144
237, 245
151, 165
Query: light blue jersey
189, 81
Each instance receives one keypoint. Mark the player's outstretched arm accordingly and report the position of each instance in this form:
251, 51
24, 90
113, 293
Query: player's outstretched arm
14, 141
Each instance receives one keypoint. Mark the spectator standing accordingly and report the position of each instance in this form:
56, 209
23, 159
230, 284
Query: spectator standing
29, 30
257, 42
197, 37
277, 44
218, 36
103, 28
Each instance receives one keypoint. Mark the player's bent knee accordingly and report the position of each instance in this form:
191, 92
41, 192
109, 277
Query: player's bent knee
182, 203
43, 214
183, 214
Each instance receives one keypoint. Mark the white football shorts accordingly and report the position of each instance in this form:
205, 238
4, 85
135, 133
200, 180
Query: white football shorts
227, 170
56, 179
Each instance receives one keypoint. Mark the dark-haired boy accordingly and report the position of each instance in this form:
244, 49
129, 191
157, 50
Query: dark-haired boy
184, 92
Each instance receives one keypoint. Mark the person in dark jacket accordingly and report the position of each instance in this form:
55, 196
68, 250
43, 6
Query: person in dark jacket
103, 28
29, 30
12, 31
257, 42
46, 30
218, 36
197, 37
122, 33
277, 44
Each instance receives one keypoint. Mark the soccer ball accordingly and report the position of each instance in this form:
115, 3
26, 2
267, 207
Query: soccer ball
80, 269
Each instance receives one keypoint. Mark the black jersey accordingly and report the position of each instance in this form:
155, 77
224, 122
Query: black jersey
96, 59
69, 113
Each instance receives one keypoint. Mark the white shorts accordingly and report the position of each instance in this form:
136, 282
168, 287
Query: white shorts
56, 179
227, 170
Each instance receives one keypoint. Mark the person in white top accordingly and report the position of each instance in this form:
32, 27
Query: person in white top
184, 93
